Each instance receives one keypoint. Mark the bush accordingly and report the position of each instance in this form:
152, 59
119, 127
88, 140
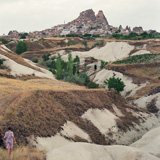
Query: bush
84, 76
92, 85
103, 64
1, 62
115, 83
45, 57
74, 79
80, 79
92, 58
52, 70
69, 43
4, 41
21, 47
42, 63
98, 43
53, 57
51, 64
35, 59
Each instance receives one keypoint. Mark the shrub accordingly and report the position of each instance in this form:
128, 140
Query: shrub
98, 43
74, 79
51, 64
92, 58
69, 43
81, 78
103, 63
45, 57
84, 76
115, 83
1, 62
21, 47
4, 41
92, 85
52, 70
42, 63
35, 59
53, 57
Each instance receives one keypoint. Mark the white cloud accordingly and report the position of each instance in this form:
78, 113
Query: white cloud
29, 15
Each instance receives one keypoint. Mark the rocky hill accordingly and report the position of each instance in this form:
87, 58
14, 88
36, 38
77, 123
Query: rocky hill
86, 23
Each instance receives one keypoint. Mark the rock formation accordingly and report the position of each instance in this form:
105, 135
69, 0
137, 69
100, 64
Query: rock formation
13, 34
138, 30
86, 23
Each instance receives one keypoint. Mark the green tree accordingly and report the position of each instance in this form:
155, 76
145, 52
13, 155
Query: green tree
59, 67
69, 43
4, 41
70, 64
1, 62
21, 47
103, 63
76, 63
115, 83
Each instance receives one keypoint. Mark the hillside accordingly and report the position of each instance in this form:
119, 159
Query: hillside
52, 114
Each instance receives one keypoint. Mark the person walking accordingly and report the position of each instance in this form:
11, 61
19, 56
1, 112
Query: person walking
9, 136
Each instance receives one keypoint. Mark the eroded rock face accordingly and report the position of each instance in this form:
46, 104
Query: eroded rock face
100, 17
88, 14
13, 34
87, 22
138, 30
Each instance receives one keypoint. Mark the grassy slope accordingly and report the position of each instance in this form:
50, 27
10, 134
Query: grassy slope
41, 109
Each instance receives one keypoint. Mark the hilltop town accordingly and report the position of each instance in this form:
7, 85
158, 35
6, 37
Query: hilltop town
86, 23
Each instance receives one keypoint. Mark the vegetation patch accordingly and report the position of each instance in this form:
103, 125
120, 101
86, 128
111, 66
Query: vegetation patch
98, 43
1, 62
135, 36
115, 83
21, 47
145, 58
4, 41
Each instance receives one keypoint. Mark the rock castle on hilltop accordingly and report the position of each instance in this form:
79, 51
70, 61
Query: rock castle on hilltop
86, 23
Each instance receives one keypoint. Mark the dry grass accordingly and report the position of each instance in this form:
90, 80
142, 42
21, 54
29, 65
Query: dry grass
41, 107
22, 153
140, 73
18, 59
154, 47
10, 86
145, 90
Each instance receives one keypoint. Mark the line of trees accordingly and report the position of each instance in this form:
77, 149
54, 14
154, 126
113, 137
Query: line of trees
135, 36
69, 71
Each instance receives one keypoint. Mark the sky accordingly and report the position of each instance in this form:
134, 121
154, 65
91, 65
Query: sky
33, 15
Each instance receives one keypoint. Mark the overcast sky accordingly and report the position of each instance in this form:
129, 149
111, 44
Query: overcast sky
31, 15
